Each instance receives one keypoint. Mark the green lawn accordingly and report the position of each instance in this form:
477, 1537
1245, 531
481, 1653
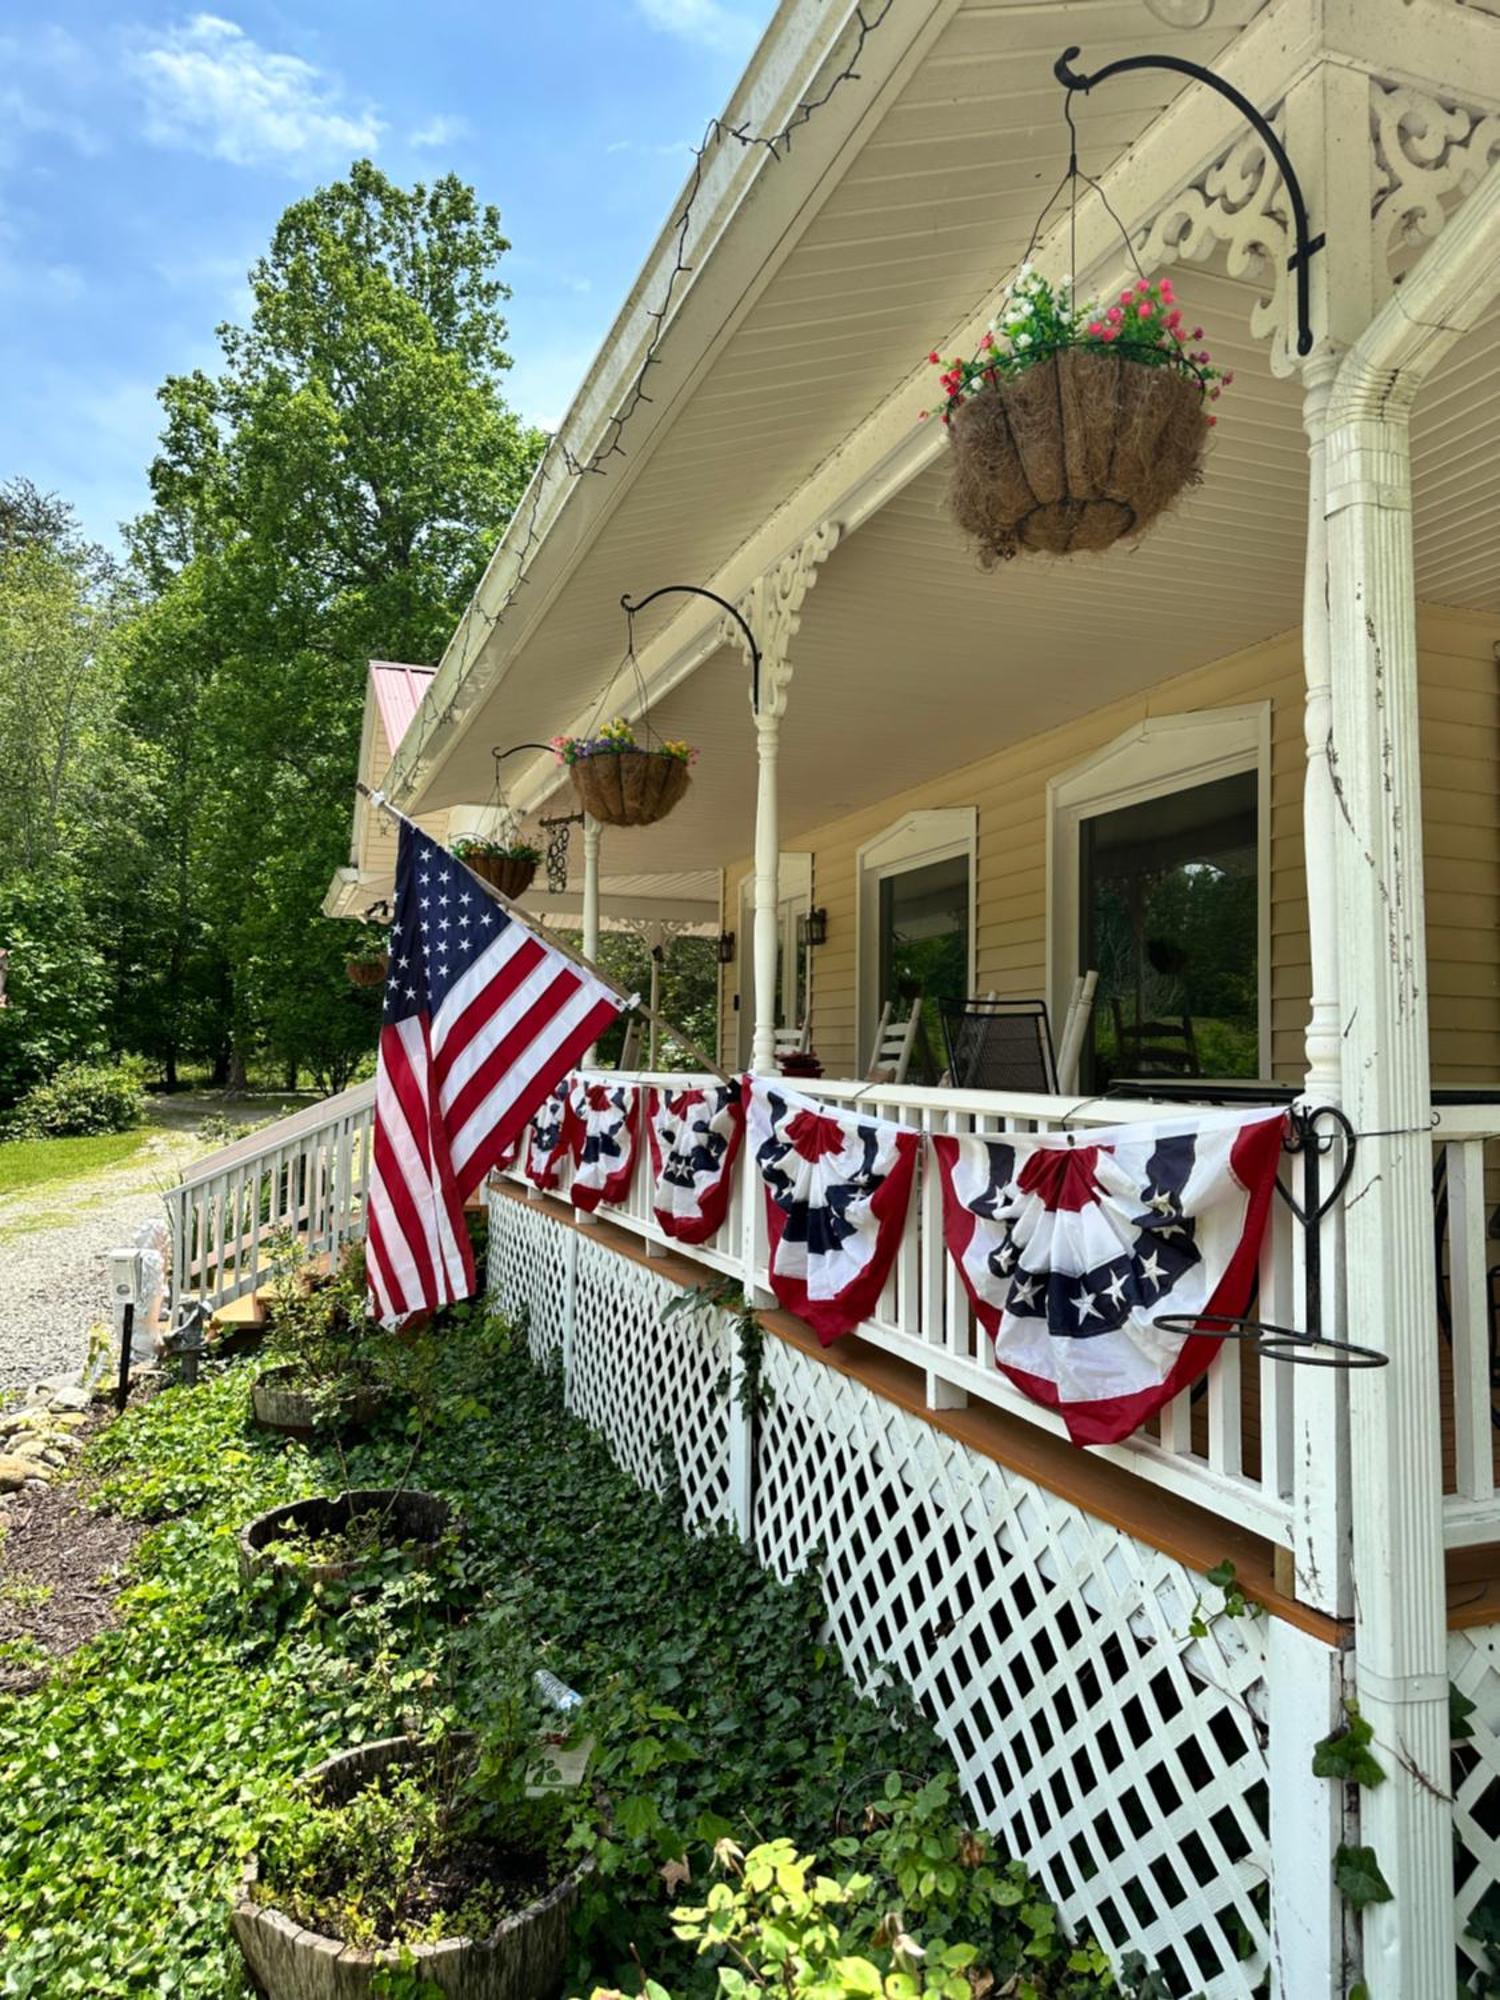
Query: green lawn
28, 1163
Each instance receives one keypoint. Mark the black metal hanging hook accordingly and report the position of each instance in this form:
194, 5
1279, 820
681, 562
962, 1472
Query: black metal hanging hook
698, 590
1308, 245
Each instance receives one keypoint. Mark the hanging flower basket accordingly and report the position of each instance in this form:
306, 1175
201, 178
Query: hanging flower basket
510, 868
624, 783
368, 971
1083, 427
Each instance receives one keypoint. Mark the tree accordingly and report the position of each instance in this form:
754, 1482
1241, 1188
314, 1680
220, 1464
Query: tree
331, 494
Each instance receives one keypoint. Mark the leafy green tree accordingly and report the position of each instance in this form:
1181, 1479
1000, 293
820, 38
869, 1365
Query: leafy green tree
330, 495
57, 985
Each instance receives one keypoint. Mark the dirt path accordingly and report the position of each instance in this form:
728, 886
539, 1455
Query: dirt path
55, 1239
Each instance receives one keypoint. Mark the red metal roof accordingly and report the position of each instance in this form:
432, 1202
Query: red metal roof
398, 694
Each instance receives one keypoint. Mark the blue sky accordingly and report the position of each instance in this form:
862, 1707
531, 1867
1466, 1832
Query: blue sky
145, 153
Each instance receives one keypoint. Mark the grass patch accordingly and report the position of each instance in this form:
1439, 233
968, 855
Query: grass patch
29, 1163
145, 1770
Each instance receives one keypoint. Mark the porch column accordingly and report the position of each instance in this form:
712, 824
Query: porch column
772, 607
591, 833
1373, 756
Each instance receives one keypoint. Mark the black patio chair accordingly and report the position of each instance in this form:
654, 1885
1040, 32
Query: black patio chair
1155, 1048
999, 1045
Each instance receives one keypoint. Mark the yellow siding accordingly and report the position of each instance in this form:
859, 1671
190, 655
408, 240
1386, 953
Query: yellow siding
1460, 702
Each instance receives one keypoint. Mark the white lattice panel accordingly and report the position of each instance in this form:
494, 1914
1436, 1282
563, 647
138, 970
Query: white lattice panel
528, 1270
1125, 1761
640, 1380
1474, 1668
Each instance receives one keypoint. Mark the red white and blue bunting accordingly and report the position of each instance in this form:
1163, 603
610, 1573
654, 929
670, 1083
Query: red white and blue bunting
603, 1132
549, 1142
838, 1186
1072, 1252
695, 1136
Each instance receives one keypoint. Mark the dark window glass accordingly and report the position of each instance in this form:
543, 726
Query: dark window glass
924, 949
1168, 901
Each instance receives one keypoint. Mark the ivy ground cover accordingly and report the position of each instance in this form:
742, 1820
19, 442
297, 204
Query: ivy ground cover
139, 1775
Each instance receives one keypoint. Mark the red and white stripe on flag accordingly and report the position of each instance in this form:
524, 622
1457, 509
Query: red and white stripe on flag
695, 1135
1072, 1252
838, 1186
482, 1019
604, 1126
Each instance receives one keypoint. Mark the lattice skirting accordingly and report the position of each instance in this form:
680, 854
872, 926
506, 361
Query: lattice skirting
1124, 1760
1474, 1668
528, 1271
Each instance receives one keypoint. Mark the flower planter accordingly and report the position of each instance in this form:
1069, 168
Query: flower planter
629, 787
410, 1518
280, 1406
502, 871
522, 1959
367, 971
1075, 453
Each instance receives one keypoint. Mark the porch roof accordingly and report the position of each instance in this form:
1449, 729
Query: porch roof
799, 341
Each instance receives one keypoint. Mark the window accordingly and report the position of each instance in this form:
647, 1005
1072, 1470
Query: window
1158, 858
917, 927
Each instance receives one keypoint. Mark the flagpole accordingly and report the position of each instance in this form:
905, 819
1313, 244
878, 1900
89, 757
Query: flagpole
629, 1001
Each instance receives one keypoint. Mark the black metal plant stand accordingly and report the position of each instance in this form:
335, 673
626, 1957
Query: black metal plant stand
1310, 1347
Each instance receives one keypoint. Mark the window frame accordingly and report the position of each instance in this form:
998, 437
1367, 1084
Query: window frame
1159, 755
914, 841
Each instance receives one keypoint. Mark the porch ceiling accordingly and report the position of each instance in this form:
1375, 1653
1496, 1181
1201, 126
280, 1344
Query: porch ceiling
912, 661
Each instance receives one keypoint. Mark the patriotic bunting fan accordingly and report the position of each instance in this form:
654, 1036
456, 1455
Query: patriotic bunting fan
695, 1135
603, 1142
1071, 1254
837, 1190
549, 1144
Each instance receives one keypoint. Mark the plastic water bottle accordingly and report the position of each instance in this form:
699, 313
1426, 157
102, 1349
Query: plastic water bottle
557, 1693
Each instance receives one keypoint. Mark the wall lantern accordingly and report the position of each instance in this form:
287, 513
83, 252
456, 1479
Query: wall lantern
724, 950
813, 928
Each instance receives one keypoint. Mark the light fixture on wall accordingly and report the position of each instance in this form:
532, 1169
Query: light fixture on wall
813, 927
725, 948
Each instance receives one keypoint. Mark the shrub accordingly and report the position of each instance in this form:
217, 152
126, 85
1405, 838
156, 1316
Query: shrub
83, 1098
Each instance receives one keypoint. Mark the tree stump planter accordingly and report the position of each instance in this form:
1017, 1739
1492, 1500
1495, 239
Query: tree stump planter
368, 971
1075, 453
523, 1959
279, 1405
630, 787
418, 1520
504, 872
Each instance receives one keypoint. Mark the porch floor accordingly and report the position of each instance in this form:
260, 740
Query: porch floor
1193, 1535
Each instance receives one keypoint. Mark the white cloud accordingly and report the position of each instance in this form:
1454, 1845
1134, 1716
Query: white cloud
443, 130
709, 23
210, 87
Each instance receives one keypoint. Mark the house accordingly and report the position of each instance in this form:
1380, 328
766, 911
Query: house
1247, 767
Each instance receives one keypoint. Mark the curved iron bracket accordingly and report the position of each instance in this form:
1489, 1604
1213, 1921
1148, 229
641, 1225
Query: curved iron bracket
698, 590
1308, 245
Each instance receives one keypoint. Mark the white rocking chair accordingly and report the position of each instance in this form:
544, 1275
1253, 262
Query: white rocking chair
794, 1041
894, 1041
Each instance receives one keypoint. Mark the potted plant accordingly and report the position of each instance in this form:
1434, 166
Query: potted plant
440, 1857
369, 961
1076, 425
507, 865
322, 1346
622, 782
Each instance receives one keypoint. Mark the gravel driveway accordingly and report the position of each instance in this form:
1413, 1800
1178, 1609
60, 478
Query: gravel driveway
55, 1240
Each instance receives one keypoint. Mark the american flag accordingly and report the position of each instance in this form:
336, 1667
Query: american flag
482, 1019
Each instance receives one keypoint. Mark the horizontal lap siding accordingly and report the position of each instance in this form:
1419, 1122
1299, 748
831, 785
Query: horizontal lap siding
1461, 764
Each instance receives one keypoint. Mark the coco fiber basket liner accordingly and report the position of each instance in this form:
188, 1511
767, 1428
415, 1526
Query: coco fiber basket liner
1075, 453
630, 787
503, 872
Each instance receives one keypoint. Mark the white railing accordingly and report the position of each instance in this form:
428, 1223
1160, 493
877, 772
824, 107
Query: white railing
1467, 1143
1227, 1447
306, 1174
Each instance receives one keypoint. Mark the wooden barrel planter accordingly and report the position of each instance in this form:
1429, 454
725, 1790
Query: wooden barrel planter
1074, 454
279, 1405
512, 877
630, 787
417, 1520
368, 971
522, 1959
